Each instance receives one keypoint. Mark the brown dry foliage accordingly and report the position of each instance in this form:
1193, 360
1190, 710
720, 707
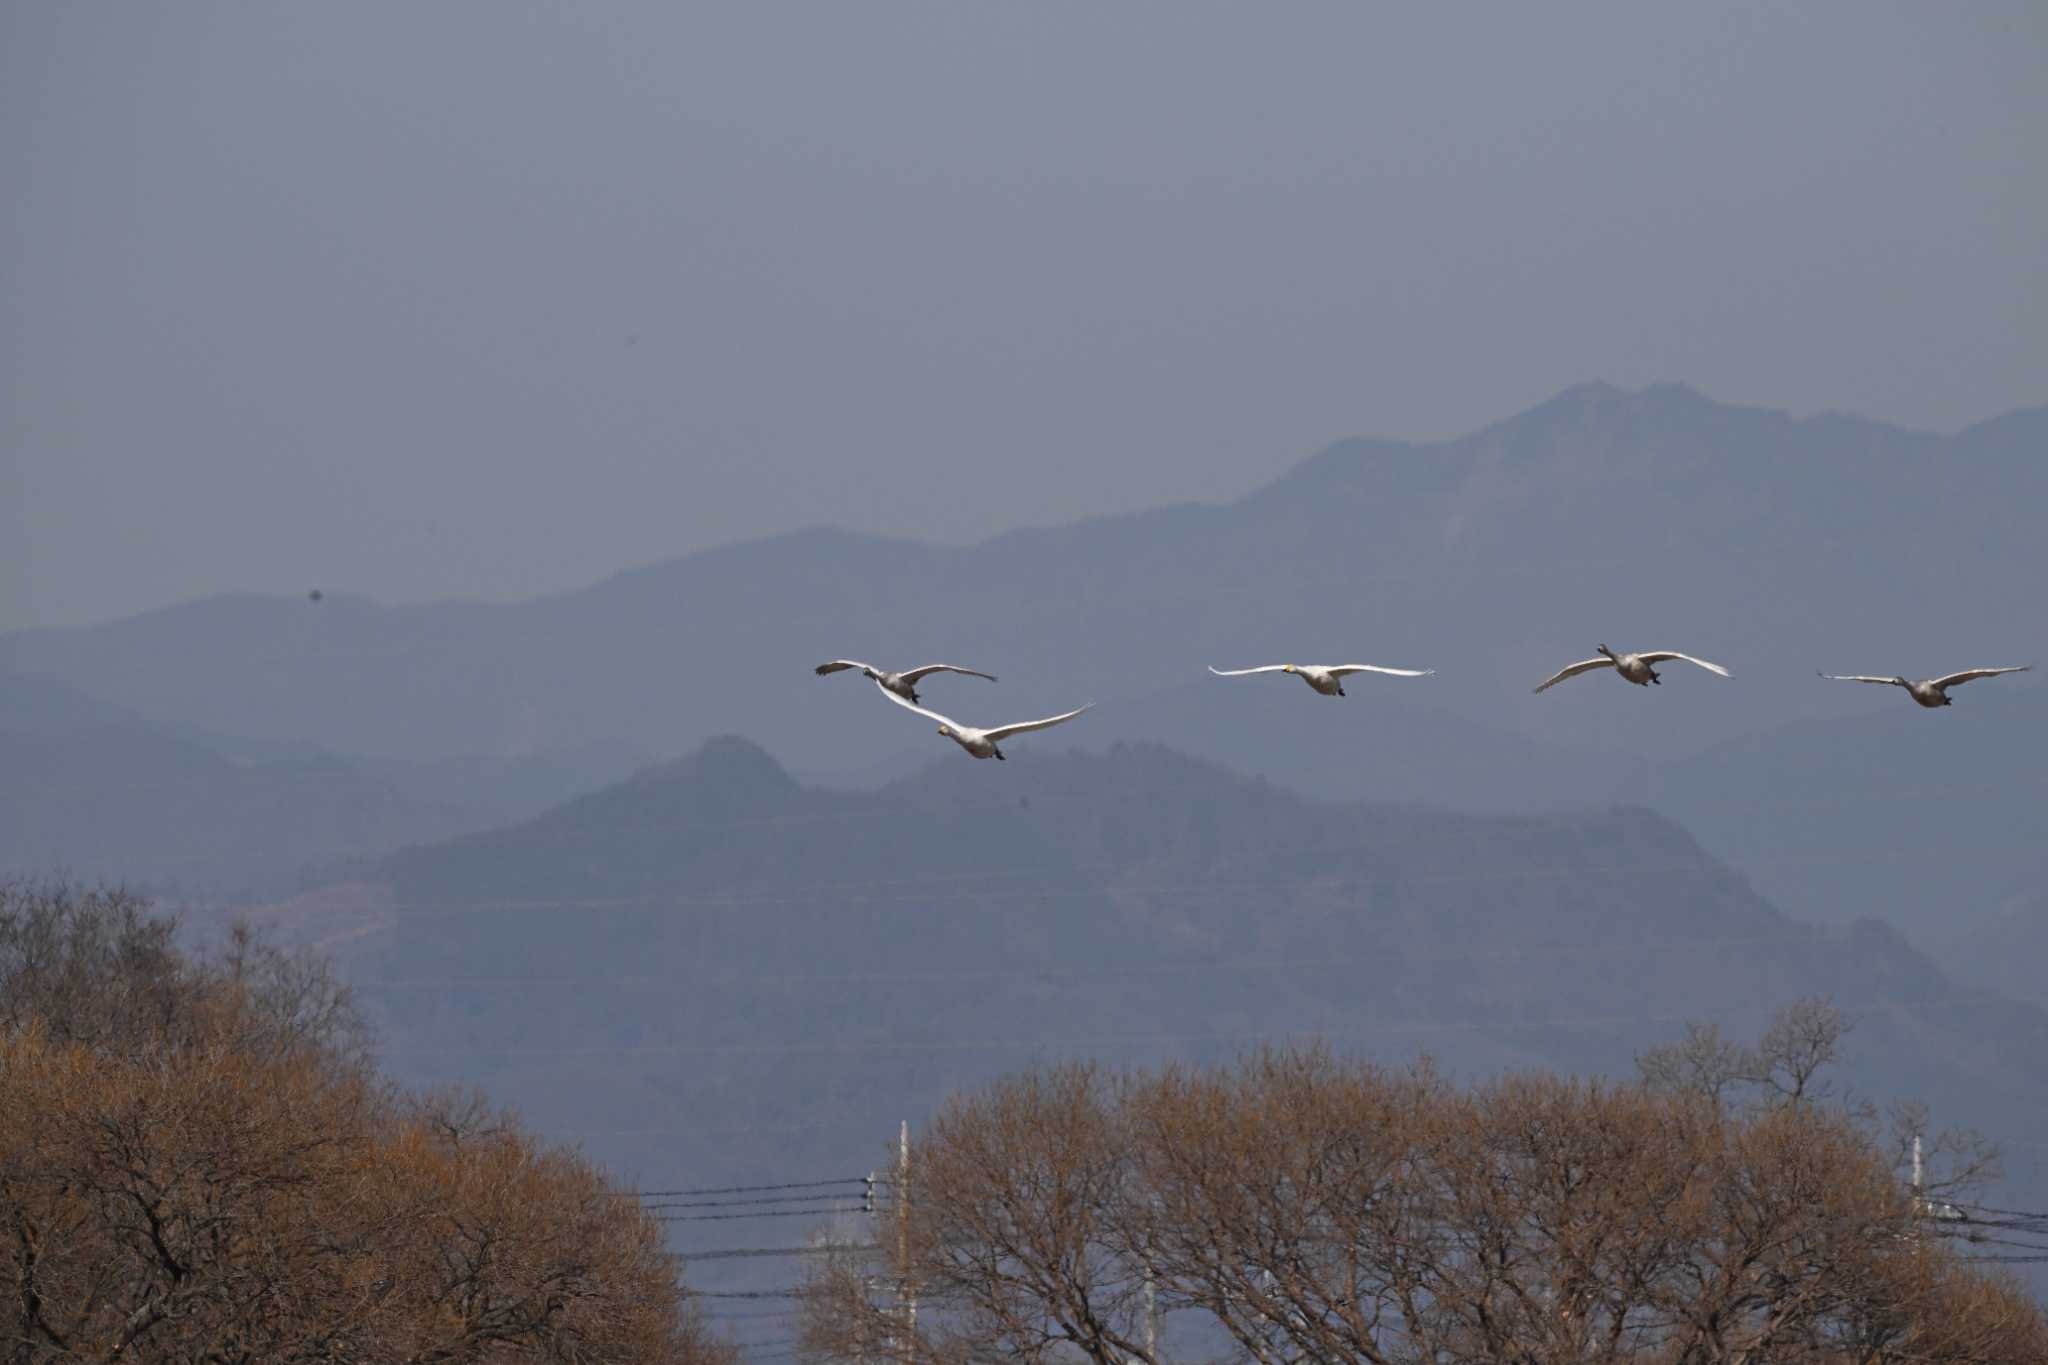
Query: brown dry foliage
1299, 1208
197, 1164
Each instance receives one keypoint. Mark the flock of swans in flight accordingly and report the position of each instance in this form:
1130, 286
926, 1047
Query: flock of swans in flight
1328, 679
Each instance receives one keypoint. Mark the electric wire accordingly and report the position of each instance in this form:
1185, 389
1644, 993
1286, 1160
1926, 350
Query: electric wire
736, 1189
745, 1253
736, 1203
729, 1217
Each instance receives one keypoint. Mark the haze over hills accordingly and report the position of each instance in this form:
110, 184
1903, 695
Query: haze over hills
1771, 543
96, 795
1926, 818
713, 969
1774, 545
2004, 950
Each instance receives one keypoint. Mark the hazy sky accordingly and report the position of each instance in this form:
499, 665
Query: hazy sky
476, 299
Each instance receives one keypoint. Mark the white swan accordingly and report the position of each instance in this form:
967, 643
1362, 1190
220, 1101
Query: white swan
902, 684
1634, 667
980, 743
1324, 678
1930, 691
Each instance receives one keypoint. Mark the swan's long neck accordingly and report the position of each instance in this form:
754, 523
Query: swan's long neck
1608, 652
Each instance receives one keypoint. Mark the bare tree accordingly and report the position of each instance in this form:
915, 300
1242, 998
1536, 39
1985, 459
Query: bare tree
1304, 1209
197, 1164
93, 966
1702, 1063
97, 967
1279, 1200
1803, 1041
1010, 1244
1952, 1161
1789, 1065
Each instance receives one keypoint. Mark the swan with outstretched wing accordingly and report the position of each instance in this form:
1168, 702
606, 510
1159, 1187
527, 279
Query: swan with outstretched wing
1636, 668
902, 684
1929, 692
1327, 679
978, 742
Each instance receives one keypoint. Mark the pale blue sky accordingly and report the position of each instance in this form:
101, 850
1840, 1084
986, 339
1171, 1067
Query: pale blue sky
483, 300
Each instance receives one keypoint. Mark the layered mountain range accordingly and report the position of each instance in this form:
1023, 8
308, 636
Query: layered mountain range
712, 973
750, 962
1775, 545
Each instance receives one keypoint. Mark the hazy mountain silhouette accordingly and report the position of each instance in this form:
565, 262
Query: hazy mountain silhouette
1925, 818
1774, 545
96, 795
2003, 950
172, 818
712, 970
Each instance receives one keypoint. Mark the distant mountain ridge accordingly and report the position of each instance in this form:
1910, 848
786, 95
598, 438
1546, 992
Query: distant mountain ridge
190, 817
713, 968
1606, 511
1651, 519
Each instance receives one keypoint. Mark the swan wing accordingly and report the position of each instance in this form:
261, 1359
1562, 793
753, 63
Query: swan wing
1858, 677
912, 675
1003, 732
1969, 673
1573, 671
839, 665
1658, 656
913, 706
1240, 672
1345, 670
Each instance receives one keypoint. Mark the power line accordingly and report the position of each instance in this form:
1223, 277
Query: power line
728, 1217
735, 1203
740, 1253
1979, 1239
2008, 1213
737, 1189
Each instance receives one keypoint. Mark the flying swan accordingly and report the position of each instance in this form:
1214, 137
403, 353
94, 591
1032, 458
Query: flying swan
1324, 678
902, 684
1930, 691
980, 743
1634, 667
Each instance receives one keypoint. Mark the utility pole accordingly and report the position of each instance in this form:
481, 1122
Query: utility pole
908, 1292
1923, 1207
860, 1317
